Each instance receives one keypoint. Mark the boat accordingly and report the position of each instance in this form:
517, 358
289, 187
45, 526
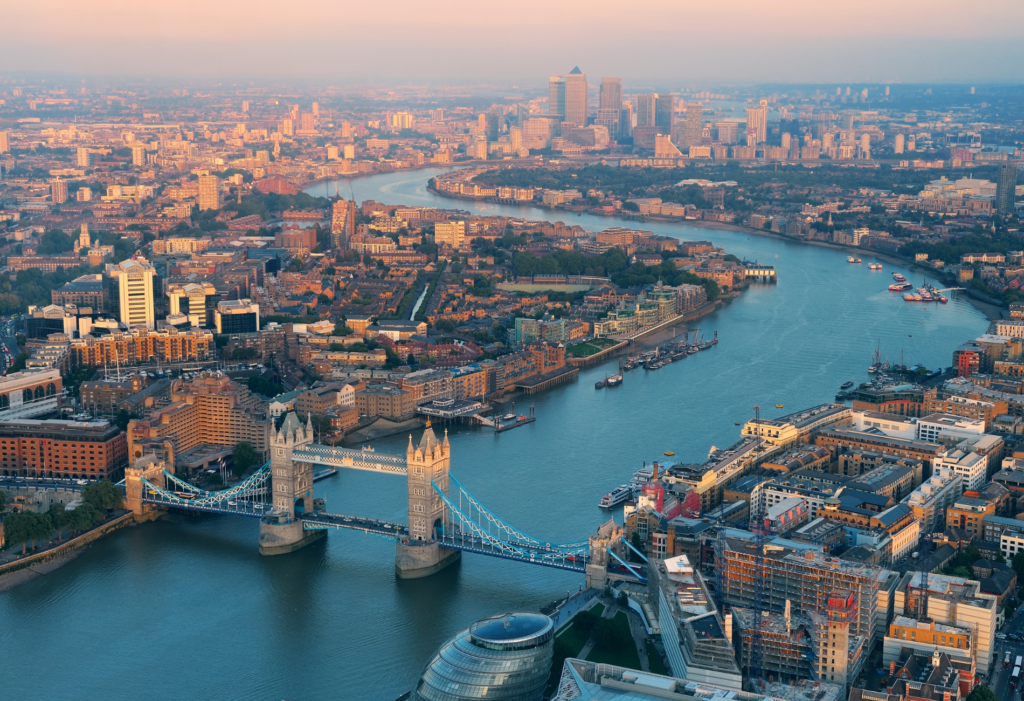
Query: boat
615, 497
669, 453
846, 385
508, 417
898, 277
857, 260
778, 406
900, 286
614, 380
737, 423
874, 266
599, 384
850, 259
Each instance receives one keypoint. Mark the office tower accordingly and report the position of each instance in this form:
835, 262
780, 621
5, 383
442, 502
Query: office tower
5, 141
664, 114
209, 192
626, 121
84, 157
138, 156
757, 123
865, 145
490, 126
295, 113
316, 109
245, 106
728, 132
59, 190
664, 148
237, 316
190, 300
576, 98
133, 279
1006, 185
645, 109
694, 124
898, 143
611, 93
515, 136
287, 127
556, 95
347, 131
786, 137
307, 122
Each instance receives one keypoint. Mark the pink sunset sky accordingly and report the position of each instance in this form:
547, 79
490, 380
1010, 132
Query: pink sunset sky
456, 41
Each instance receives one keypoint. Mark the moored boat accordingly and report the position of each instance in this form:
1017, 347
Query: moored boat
615, 497
614, 380
900, 286
846, 385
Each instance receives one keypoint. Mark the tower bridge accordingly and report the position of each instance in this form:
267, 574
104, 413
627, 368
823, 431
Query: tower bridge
444, 519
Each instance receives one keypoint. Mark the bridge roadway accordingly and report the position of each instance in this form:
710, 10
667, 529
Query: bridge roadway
368, 460
320, 521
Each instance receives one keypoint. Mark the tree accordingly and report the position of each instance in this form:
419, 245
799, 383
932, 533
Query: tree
341, 329
60, 518
982, 693
1018, 565
102, 496
245, 457
122, 419
411, 360
635, 542
604, 633
26, 527
3, 500
584, 622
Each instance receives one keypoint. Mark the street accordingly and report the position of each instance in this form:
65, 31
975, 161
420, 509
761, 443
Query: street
1000, 679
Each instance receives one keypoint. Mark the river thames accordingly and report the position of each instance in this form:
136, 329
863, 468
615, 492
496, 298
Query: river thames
187, 608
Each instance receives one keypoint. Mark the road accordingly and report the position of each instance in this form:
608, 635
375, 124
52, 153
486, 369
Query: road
999, 679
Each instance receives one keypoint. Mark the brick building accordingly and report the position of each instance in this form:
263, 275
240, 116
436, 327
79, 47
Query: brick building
88, 450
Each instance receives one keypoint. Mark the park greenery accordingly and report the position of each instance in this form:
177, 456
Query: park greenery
244, 456
26, 528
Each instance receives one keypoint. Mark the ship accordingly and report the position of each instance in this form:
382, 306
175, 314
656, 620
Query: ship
846, 385
874, 266
851, 259
614, 380
615, 497
898, 277
900, 286
599, 384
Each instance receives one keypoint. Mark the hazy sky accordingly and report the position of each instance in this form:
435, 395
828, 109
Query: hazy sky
675, 42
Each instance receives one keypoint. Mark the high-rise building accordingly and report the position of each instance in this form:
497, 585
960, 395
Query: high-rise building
134, 280
245, 105
556, 95
287, 127
664, 114
645, 109
209, 192
138, 156
343, 221
190, 300
611, 93
5, 141
898, 143
307, 122
59, 190
728, 132
237, 316
626, 121
1006, 185
757, 123
694, 124
576, 97
84, 156
491, 126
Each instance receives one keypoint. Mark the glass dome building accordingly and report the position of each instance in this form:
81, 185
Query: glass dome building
506, 657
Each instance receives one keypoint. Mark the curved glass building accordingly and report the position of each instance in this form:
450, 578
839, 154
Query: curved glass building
506, 657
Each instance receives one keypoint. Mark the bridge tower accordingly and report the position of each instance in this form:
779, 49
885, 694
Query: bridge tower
420, 555
147, 467
292, 488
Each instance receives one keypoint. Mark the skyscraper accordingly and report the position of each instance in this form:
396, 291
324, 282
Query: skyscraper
1006, 185
576, 97
611, 93
209, 192
694, 124
626, 121
134, 280
84, 157
757, 122
664, 114
5, 141
898, 144
645, 108
556, 95
138, 156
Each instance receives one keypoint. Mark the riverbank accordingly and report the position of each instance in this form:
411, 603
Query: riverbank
28, 568
994, 312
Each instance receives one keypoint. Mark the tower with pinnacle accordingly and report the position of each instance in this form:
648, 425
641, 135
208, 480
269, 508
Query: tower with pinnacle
427, 462
292, 488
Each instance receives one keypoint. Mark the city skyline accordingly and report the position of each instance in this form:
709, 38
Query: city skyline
796, 41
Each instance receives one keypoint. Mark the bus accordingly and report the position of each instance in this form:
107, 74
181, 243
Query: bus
1015, 677
1018, 662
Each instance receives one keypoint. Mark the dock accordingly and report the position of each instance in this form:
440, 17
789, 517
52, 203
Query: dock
500, 424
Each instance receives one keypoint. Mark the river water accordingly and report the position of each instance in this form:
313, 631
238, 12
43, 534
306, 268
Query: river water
187, 608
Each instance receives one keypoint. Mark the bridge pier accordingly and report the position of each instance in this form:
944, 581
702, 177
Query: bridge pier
414, 560
280, 534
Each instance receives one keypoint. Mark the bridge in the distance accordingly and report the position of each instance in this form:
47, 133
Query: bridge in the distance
445, 519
